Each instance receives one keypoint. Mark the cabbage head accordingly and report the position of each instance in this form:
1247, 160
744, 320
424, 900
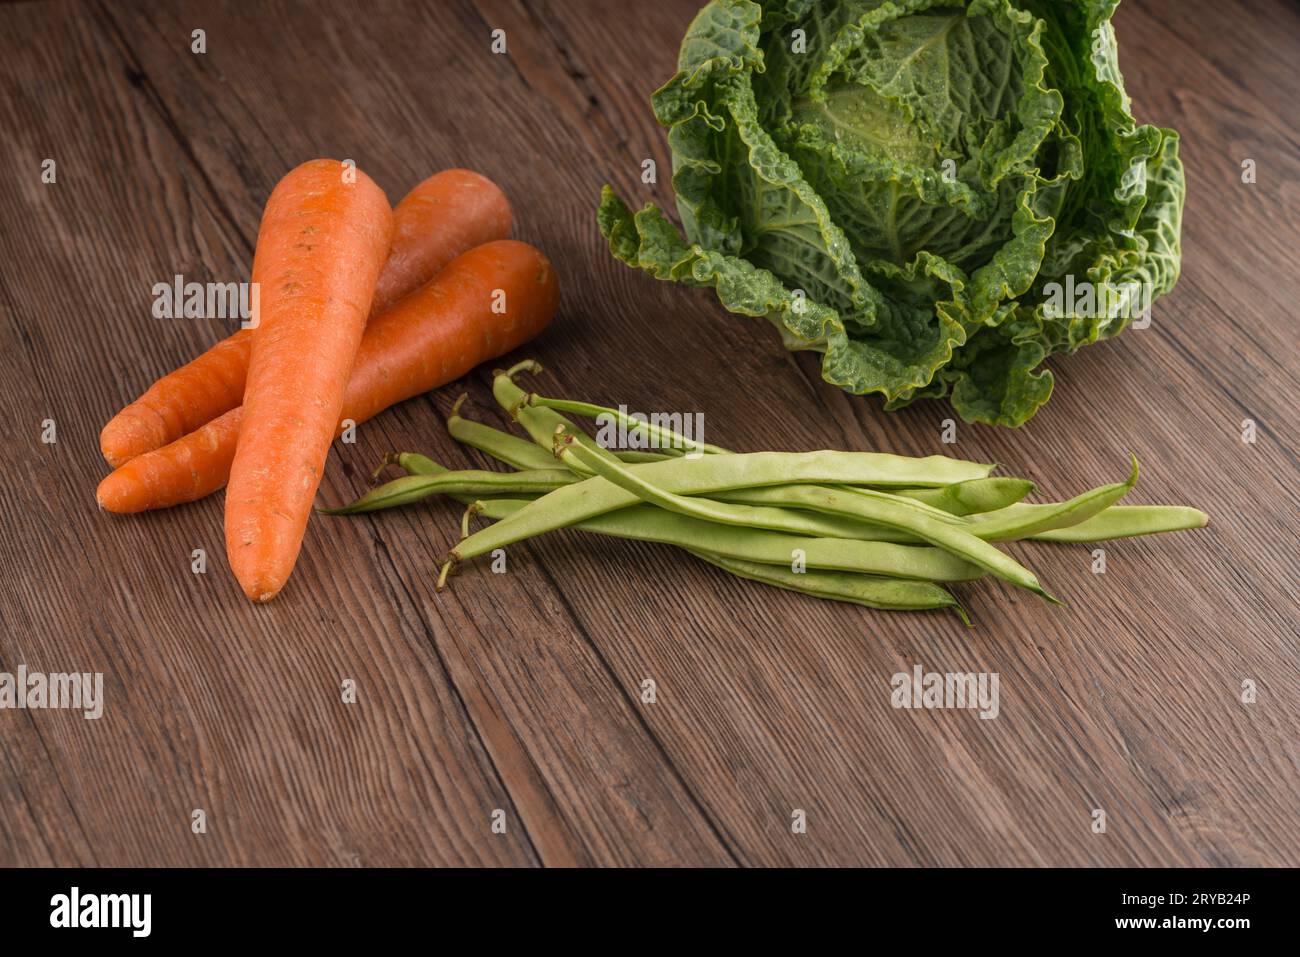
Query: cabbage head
905, 187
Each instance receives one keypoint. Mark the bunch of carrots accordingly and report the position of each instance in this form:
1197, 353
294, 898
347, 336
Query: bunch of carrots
360, 307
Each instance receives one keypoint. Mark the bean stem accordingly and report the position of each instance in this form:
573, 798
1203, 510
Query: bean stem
539, 423
661, 436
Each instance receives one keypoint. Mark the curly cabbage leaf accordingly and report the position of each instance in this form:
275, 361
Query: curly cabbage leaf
906, 186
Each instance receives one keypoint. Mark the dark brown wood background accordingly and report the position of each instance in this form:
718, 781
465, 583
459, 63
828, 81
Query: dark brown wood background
521, 692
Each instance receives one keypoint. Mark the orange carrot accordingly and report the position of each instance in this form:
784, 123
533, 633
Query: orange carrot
325, 234
438, 220
430, 338
445, 215
193, 466
180, 401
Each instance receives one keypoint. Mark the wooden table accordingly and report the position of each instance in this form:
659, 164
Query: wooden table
522, 692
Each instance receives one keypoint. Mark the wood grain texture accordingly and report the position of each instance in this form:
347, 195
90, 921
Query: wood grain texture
521, 692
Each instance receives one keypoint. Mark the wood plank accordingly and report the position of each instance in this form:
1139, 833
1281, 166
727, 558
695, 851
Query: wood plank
1055, 441
1249, 46
1246, 271
522, 691
211, 703
219, 150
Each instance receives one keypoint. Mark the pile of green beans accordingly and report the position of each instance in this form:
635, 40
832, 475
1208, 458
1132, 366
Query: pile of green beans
880, 530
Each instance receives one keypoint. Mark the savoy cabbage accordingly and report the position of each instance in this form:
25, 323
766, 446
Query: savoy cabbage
906, 186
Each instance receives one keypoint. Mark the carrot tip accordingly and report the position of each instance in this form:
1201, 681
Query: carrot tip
262, 593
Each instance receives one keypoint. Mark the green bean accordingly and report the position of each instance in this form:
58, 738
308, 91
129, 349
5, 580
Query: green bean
812, 524
1127, 521
639, 457
884, 593
838, 527
521, 454
412, 462
889, 470
1110, 522
870, 528
873, 529
591, 497
834, 525
515, 452
789, 514
929, 471
1039, 521
661, 436
1116, 522
892, 594
806, 496
493, 507
760, 469
1022, 521
714, 473
804, 523
647, 523
857, 503
540, 424
412, 488
499, 508
974, 496
971, 495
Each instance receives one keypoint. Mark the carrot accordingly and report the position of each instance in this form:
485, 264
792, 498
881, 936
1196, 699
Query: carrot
193, 466
430, 338
180, 401
323, 240
443, 216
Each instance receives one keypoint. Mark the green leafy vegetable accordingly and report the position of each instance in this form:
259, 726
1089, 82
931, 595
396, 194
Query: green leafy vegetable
914, 188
